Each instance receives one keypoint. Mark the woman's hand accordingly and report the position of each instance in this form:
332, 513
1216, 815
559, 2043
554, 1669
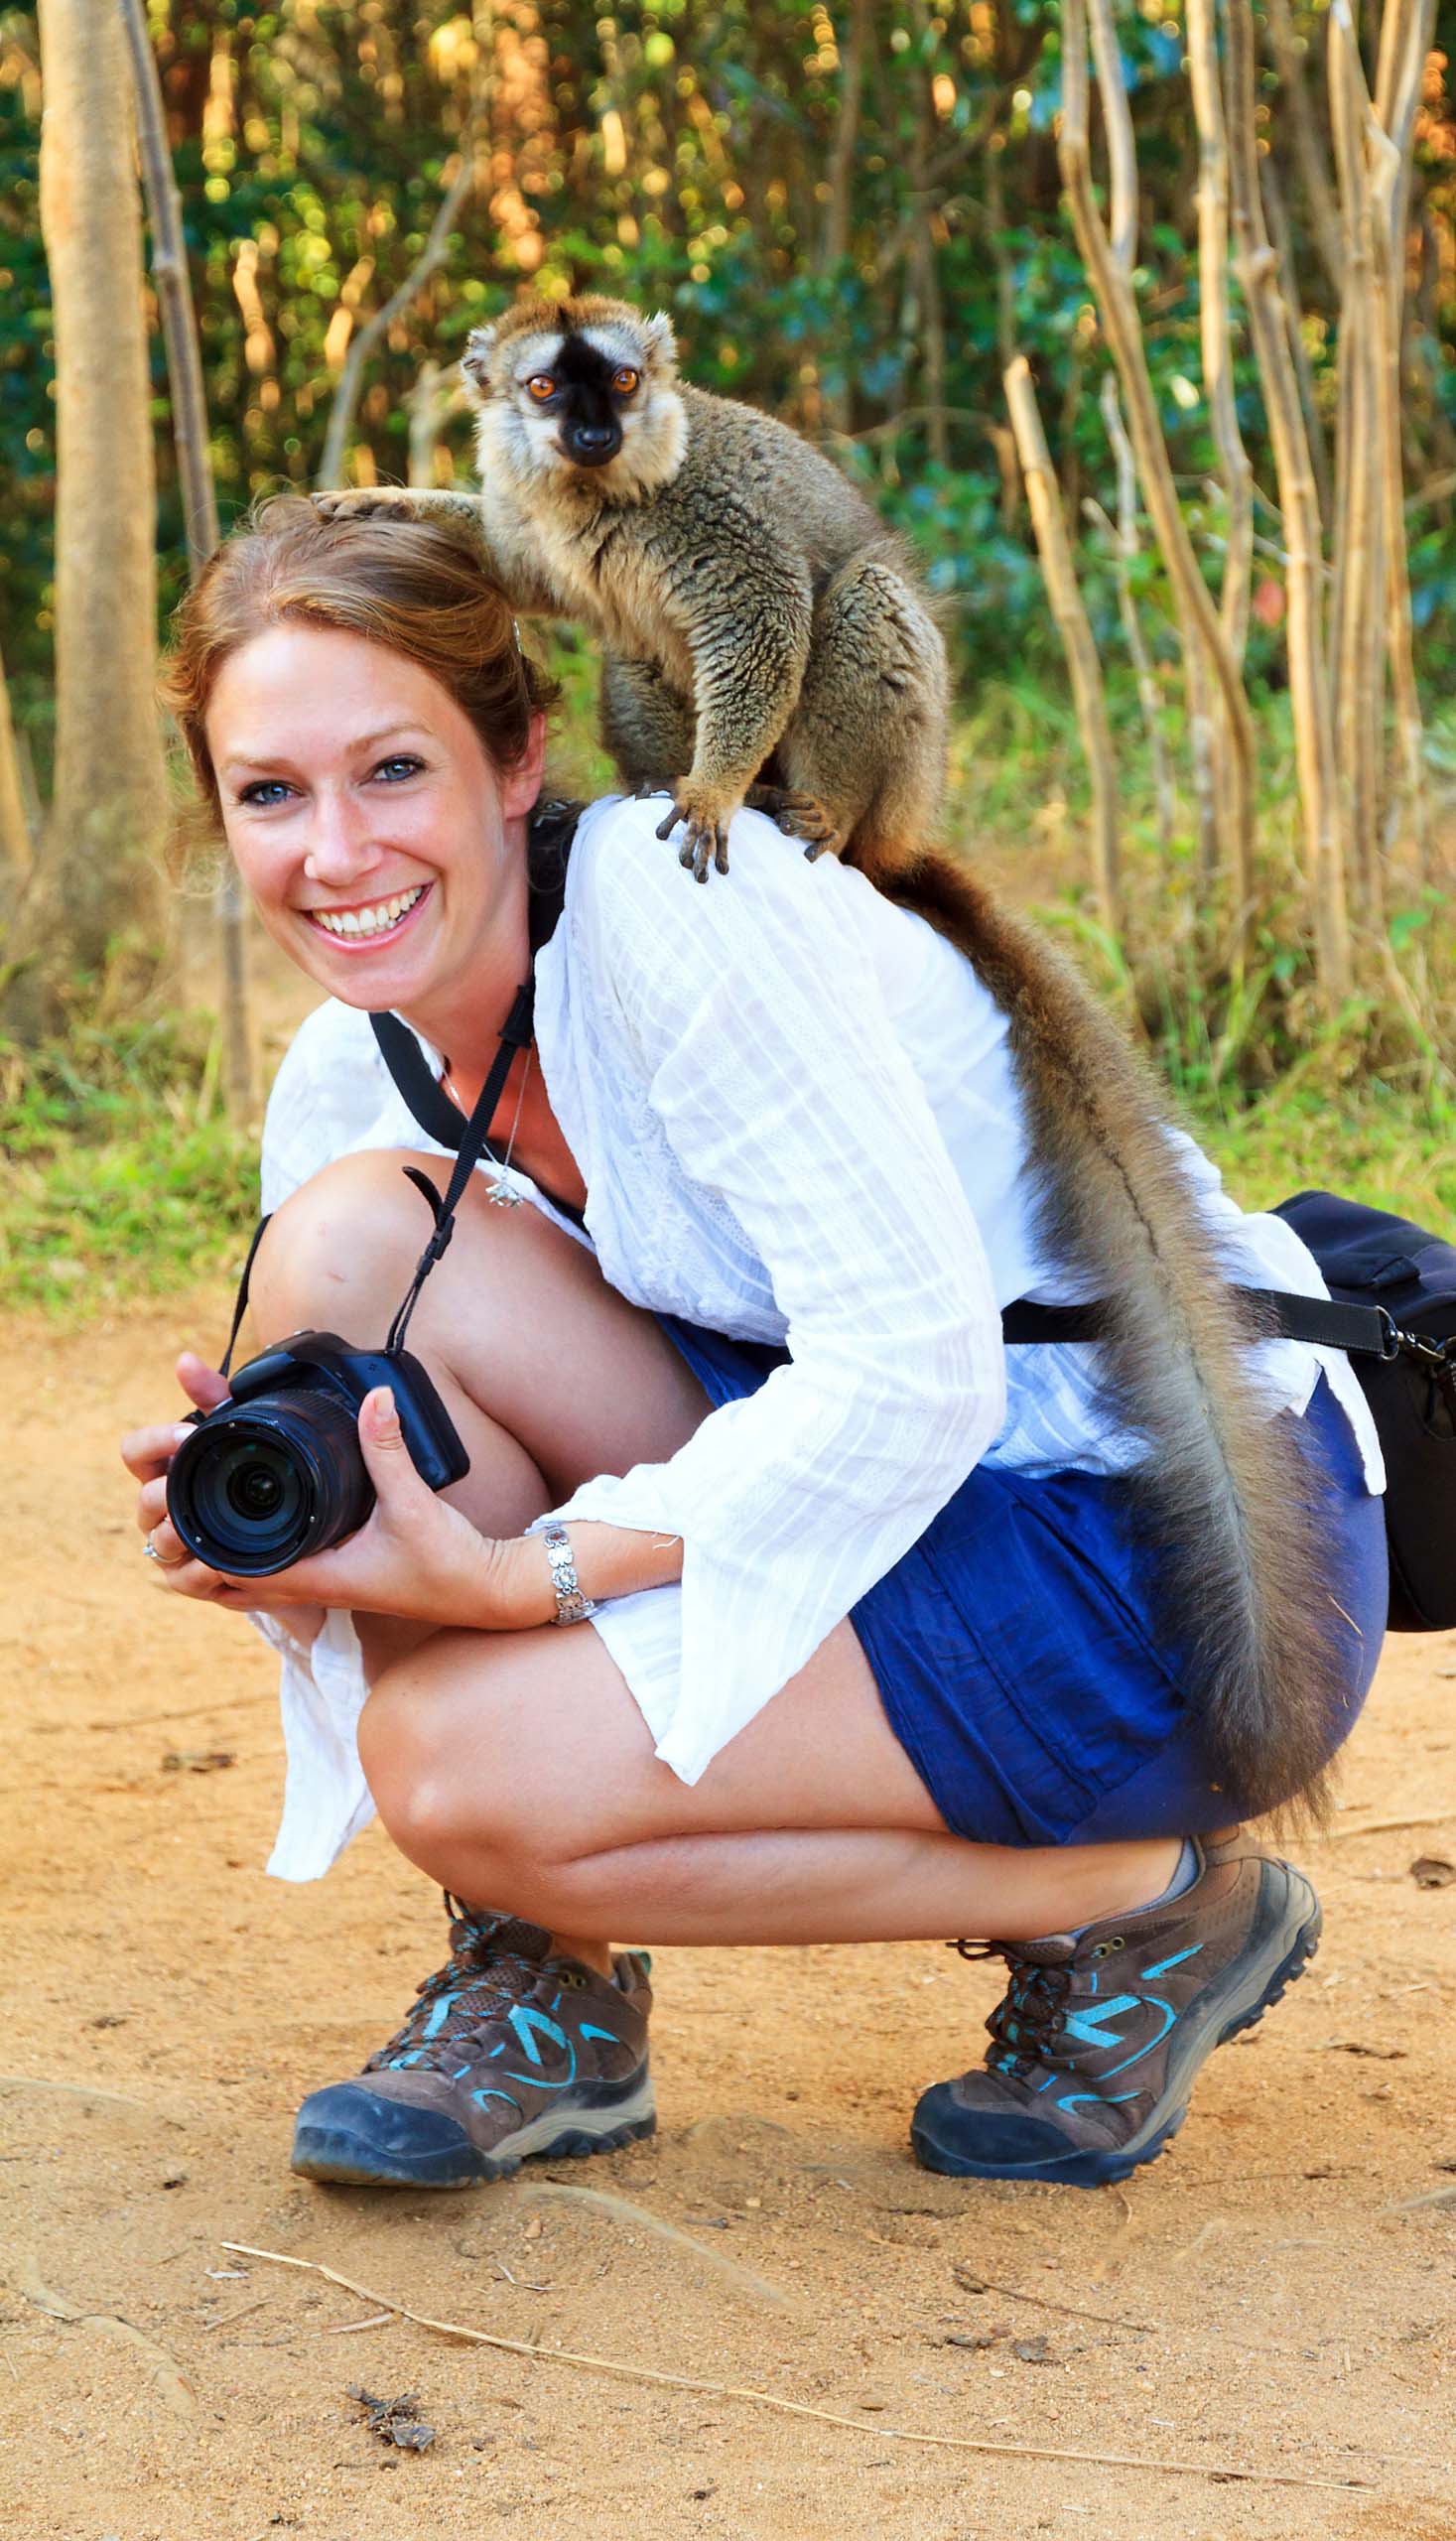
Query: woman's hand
414, 1556
147, 1455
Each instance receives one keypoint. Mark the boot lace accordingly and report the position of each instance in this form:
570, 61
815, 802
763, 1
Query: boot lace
1026, 2027
482, 1976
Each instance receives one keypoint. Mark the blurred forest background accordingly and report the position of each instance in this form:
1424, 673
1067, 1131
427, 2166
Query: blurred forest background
864, 218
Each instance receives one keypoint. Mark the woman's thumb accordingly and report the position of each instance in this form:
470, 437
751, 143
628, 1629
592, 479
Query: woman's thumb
200, 1383
390, 1464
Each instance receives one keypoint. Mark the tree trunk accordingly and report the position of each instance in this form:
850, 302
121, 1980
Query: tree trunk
94, 884
839, 178
15, 827
1272, 325
1209, 663
1405, 44
431, 257
1217, 339
1123, 543
840, 170
1359, 620
1078, 640
1277, 221
1309, 147
198, 494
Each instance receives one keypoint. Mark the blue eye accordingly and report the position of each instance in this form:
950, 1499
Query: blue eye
393, 770
267, 790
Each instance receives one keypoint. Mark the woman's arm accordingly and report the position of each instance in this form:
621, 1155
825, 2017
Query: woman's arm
416, 1556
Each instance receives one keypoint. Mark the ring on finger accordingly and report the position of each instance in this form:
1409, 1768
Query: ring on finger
152, 1554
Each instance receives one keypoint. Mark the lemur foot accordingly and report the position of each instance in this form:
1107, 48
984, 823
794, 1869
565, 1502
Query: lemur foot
800, 816
705, 817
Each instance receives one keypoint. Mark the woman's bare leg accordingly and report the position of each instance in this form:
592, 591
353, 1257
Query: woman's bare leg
516, 1768
507, 1765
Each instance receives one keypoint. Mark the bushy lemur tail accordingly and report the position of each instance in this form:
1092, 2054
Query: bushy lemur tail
1223, 1487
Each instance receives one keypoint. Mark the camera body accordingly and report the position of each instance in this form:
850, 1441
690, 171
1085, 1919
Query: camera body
276, 1472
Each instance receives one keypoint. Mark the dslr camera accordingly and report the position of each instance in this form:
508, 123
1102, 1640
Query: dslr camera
276, 1472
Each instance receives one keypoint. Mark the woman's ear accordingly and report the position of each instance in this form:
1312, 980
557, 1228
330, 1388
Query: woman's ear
520, 787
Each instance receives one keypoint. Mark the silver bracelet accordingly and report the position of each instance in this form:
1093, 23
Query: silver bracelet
571, 1606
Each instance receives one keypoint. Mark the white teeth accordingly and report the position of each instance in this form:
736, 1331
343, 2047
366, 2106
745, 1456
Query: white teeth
370, 921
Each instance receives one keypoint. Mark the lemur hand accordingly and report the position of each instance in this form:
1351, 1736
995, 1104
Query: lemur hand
705, 812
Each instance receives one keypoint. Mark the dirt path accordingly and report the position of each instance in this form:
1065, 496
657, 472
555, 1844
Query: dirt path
1276, 2293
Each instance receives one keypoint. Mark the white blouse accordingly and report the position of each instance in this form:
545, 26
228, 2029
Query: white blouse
793, 1108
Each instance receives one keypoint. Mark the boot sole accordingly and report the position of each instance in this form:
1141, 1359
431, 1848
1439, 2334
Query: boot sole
1091, 2169
335, 2152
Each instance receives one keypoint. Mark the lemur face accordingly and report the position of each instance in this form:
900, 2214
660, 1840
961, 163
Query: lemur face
584, 387
583, 390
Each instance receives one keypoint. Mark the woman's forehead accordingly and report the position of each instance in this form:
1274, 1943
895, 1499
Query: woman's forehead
325, 679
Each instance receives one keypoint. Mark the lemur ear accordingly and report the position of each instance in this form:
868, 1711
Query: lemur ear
476, 359
659, 339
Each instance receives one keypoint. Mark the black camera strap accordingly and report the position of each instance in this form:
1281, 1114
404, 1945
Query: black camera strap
240, 1304
473, 1138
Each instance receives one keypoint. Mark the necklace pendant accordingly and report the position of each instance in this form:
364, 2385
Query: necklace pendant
501, 1196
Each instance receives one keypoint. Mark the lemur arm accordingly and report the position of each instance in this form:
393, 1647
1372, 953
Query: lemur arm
528, 594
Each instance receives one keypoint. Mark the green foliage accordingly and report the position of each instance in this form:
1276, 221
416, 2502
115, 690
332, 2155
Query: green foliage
682, 155
122, 1176
1368, 1144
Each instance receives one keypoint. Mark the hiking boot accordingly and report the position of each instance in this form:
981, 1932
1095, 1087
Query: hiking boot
507, 2052
1100, 2034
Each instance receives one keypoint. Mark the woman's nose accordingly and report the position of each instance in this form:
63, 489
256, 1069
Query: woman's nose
338, 847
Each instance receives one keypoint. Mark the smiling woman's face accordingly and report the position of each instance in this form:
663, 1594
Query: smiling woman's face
381, 848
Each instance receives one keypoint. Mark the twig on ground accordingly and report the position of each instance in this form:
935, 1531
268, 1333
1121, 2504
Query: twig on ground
347, 2328
193, 1712
79, 2091
1391, 1826
971, 2281
644, 2220
170, 2378
797, 2408
226, 2322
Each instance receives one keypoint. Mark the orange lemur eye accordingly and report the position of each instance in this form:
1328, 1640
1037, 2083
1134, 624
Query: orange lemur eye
541, 386
625, 380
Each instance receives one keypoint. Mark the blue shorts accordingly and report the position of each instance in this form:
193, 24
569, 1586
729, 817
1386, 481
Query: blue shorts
1014, 1650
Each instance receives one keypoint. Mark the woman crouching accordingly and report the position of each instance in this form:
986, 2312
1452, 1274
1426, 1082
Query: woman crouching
876, 1645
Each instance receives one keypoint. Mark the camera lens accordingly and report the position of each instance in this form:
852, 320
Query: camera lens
257, 1488
254, 1490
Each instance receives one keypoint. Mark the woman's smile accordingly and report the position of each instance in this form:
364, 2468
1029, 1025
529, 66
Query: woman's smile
367, 925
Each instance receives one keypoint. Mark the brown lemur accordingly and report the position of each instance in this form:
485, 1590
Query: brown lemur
762, 631
763, 640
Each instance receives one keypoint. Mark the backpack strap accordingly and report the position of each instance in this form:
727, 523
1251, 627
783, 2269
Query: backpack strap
1371, 1330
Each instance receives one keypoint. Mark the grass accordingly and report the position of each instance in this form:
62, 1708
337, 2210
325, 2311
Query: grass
1368, 1147
122, 1179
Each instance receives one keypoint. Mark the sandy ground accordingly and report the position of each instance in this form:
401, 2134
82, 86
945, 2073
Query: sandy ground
1274, 2296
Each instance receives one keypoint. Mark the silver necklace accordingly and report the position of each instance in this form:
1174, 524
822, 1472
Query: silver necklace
500, 1194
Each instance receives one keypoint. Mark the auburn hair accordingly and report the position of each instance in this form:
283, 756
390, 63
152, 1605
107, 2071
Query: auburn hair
408, 586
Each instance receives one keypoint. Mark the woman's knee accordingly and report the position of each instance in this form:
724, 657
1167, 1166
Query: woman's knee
349, 1237
438, 1811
